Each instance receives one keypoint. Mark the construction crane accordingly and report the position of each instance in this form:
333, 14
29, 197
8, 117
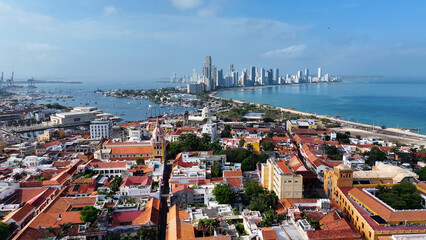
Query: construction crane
10, 81
31, 82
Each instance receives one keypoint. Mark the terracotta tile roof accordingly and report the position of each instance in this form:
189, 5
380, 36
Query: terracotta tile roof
217, 179
237, 173
85, 181
21, 213
182, 188
284, 167
41, 198
151, 214
333, 234
51, 219
123, 217
235, 182
61, 164
109, 164
129, 124
329, 218
131, 150
269, 234
110, 143
63, 204
23, 195
137, 180
53, 143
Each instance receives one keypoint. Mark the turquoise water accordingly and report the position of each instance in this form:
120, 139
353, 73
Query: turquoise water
393, 102
127, 109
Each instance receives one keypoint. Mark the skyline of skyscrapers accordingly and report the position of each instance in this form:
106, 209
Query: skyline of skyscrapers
212, 77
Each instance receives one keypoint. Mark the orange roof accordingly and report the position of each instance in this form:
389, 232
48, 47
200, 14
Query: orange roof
236, 173
234, 182
132, 150
63, 204
20, 214
25, 194
51, 219
151, 214
181, 188
109, 164
269, 234
283, 167
129, 124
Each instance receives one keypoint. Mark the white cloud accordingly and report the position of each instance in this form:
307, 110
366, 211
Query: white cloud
39, 47
293, 51
187, 4
109, 10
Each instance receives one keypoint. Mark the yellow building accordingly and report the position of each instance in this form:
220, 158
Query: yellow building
303, 124
277, 177
255, 142
354, 192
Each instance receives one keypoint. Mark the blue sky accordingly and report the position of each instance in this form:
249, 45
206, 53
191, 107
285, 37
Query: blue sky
141, 40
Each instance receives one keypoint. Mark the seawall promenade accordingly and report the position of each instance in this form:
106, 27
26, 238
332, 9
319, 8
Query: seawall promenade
393, 133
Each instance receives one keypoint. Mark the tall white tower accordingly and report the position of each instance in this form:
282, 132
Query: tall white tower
319, 73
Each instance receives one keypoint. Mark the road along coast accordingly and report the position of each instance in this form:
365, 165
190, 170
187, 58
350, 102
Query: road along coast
392, 134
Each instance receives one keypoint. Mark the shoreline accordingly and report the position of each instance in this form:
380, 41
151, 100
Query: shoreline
420, 139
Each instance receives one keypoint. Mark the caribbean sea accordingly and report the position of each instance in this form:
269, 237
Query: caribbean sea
389, 101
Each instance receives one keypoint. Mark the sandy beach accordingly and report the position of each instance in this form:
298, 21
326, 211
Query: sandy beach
391, 134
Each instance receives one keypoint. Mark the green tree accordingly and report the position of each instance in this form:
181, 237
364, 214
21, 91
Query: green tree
89, 214
4, 230
217, 169
115, 184
422, 173
148, 233
223, 193
59, 233
207, 226
226, 132
216, 147
374, 155
242, 141
400, 196
140, 161
248, 164
267, 146
251, 189
250, 147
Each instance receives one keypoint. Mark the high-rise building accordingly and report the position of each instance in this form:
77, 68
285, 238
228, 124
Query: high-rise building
262, 77
319, 73
299, 76
269, 76
306, 75
213, 77
220, 81
235, 78
276, 76
231, 69
194, 78
252, 75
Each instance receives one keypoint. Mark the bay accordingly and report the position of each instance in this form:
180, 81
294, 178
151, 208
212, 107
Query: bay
389, 101
128, 109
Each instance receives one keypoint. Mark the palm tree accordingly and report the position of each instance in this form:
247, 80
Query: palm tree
63, 230
207, 226
210, 226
